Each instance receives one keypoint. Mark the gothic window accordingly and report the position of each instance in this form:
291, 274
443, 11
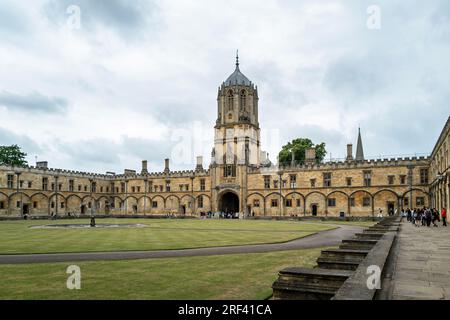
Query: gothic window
293, 179
230, 100
274, 203
332, 202
200, 201
229, 171
424, 176
256, 203
391, 179
288, 203
10, 181
327, 179
367, 178
202, 185
267, 182
243, 99
349, 182
366, 201
420, 201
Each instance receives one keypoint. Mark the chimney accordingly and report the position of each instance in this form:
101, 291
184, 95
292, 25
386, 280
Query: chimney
144, 167
199, 166
310, 156
42, 165
166, 168
349, 152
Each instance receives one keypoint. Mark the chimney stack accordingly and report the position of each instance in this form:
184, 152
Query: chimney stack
42, 165
310, 156
166, 168
199, 166
349, 152
144, 167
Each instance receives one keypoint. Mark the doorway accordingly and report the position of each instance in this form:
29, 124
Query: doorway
390, 208
25, 209
229, 203
314, 209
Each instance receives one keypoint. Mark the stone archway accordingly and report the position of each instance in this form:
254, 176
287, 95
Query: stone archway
229, 202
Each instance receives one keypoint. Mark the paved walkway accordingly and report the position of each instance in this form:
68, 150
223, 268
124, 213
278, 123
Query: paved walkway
320, 239
422, 266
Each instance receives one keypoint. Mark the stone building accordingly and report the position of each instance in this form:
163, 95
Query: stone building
239, 178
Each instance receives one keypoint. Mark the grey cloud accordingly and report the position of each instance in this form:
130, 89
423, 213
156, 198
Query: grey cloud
28, 145
12, 22
90, 151
102, 155
33, 102
125, 17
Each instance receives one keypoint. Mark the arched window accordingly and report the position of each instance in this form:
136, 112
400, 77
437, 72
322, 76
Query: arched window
243, 99
230, 100
200, 201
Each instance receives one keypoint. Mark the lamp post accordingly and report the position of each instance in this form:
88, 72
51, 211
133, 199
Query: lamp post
18, 188
280, 173
92, 199
410, 183
145, 193
56, 196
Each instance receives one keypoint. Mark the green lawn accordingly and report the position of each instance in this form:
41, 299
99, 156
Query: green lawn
237, 276
17, 237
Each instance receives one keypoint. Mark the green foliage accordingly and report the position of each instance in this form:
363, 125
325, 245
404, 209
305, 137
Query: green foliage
298, 147
12, 156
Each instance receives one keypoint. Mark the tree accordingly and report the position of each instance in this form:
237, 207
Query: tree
12, 156
298, 147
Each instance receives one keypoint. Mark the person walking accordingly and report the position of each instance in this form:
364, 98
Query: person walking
435, 217
444, 217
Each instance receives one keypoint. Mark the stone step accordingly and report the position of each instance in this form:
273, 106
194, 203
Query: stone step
357, 244
369, 235
337, 265
344, 255
377, 230
308, 284
384, 229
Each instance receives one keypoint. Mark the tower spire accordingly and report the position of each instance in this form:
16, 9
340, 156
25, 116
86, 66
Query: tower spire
237, 59
359, 148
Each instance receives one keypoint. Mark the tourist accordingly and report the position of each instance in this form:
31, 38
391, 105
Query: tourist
435, 217
444, 217
429, 216
416, 217
408, 215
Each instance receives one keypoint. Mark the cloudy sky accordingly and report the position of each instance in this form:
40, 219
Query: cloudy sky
133, 80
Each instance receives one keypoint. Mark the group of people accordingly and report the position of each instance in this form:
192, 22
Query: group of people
426, 216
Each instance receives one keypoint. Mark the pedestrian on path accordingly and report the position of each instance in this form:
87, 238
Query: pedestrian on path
444, 217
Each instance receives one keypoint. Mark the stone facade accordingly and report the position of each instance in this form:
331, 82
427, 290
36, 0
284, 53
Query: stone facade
237, 180
439, 170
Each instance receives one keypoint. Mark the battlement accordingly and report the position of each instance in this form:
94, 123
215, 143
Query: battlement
369, 163
109, 177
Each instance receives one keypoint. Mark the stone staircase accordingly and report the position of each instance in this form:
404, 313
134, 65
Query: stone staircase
334, 266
